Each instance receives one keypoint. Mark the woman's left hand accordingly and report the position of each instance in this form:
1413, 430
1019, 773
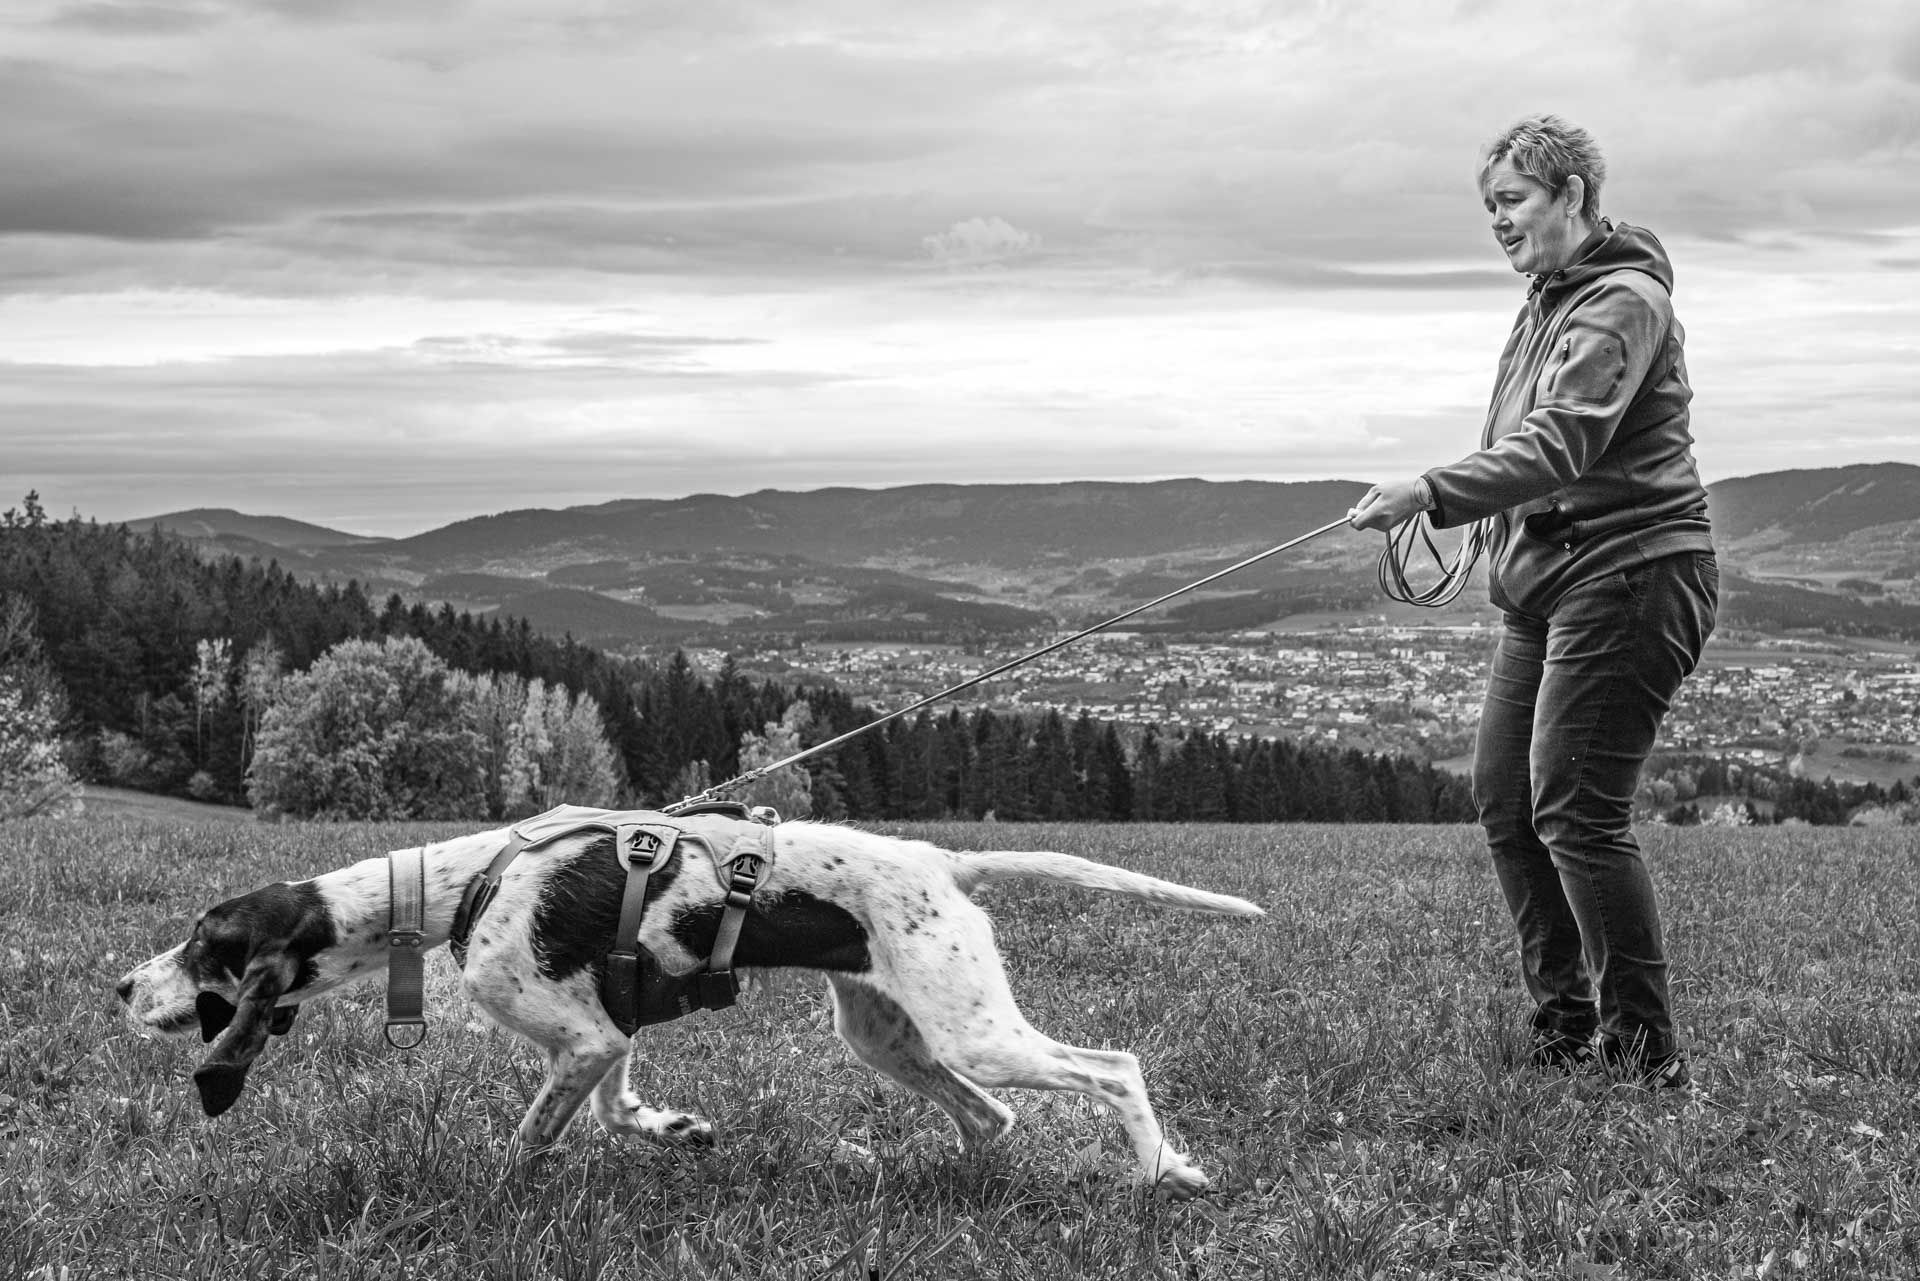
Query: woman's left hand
1386, 506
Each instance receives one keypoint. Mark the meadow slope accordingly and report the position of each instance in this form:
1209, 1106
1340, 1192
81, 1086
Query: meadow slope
1345, 1069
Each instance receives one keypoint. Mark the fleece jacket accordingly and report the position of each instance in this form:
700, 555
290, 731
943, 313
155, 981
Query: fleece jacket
1586, 464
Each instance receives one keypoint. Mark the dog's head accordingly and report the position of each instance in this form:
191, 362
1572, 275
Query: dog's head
227, 979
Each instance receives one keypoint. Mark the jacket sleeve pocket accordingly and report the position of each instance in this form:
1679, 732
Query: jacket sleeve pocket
1589, 367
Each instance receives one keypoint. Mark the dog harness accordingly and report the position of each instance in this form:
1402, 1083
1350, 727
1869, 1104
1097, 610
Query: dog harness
635, 991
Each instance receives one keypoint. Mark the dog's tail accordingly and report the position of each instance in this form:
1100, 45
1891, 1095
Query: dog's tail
973, 868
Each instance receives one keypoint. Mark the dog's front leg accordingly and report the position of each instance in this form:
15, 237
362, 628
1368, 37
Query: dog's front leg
572, 1073
619, 1110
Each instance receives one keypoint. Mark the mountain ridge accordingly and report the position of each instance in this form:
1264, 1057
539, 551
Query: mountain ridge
981, 559
1815, 504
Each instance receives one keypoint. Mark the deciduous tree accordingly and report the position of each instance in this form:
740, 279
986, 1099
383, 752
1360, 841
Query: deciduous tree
789, 790
33, 778
370, 731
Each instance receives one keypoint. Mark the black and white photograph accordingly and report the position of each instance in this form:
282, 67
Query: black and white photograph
825, 639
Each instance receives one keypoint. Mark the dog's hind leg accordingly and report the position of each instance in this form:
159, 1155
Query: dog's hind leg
954, 988
883, 1036
621, 1112
1016, 1055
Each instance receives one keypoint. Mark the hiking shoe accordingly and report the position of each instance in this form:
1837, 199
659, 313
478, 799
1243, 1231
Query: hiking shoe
1624, 1062
1558, 1052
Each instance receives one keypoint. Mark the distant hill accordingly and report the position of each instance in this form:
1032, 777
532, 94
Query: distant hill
1815, 506
221, 523
1012, 526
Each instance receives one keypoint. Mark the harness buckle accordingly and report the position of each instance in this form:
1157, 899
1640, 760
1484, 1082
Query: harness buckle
742, 880
480, 894
644, 847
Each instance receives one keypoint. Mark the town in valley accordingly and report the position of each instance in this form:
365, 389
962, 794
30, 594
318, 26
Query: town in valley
1817, 705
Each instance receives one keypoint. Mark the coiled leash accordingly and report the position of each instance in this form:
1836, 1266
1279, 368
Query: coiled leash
1402, 540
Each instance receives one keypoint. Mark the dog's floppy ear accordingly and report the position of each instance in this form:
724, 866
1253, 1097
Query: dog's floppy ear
223, 1075
215, 1013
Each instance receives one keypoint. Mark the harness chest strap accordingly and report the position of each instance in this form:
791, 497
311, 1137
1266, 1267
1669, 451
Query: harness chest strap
640, 847
634, 991
744, 868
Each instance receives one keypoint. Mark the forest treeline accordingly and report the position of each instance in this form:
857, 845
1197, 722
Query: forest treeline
1780, 607
155, 647
1686, 788
150, 658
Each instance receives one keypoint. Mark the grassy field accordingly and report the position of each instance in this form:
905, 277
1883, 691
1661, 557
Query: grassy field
126, 805
1830, 760
1344, 1069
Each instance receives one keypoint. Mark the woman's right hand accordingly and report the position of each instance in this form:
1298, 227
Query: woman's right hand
1388, 505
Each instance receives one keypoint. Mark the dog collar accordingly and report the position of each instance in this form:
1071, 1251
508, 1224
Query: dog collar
406, 952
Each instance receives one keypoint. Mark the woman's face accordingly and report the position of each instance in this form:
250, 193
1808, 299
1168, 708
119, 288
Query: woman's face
1538, 230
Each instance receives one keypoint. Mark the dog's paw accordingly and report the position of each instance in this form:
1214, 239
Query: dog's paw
855, 1153
1179, 1183
683, 1129
532, 1158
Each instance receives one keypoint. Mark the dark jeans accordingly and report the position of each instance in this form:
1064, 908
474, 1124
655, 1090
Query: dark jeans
1573, 706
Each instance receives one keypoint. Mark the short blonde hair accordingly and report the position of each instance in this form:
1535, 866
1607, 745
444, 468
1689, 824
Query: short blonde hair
1549, 150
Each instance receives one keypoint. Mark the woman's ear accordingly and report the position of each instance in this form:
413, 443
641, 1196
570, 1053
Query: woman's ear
223, 1074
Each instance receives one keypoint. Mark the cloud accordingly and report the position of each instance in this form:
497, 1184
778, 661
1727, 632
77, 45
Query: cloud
977, 241
446, 236
132, 19
1117, 131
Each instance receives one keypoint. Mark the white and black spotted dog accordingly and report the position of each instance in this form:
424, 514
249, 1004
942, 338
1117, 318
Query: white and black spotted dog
918, 988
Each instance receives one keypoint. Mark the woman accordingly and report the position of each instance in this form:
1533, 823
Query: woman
1602, 562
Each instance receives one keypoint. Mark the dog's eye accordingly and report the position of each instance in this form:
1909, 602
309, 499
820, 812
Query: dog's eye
215, 956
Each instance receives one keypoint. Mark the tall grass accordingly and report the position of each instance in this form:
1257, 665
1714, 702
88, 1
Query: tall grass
1346, 1070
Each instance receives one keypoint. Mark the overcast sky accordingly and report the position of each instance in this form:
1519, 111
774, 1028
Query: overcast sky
384, 264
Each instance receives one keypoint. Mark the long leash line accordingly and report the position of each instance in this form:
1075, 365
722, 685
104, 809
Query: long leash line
634, 996
741, 780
